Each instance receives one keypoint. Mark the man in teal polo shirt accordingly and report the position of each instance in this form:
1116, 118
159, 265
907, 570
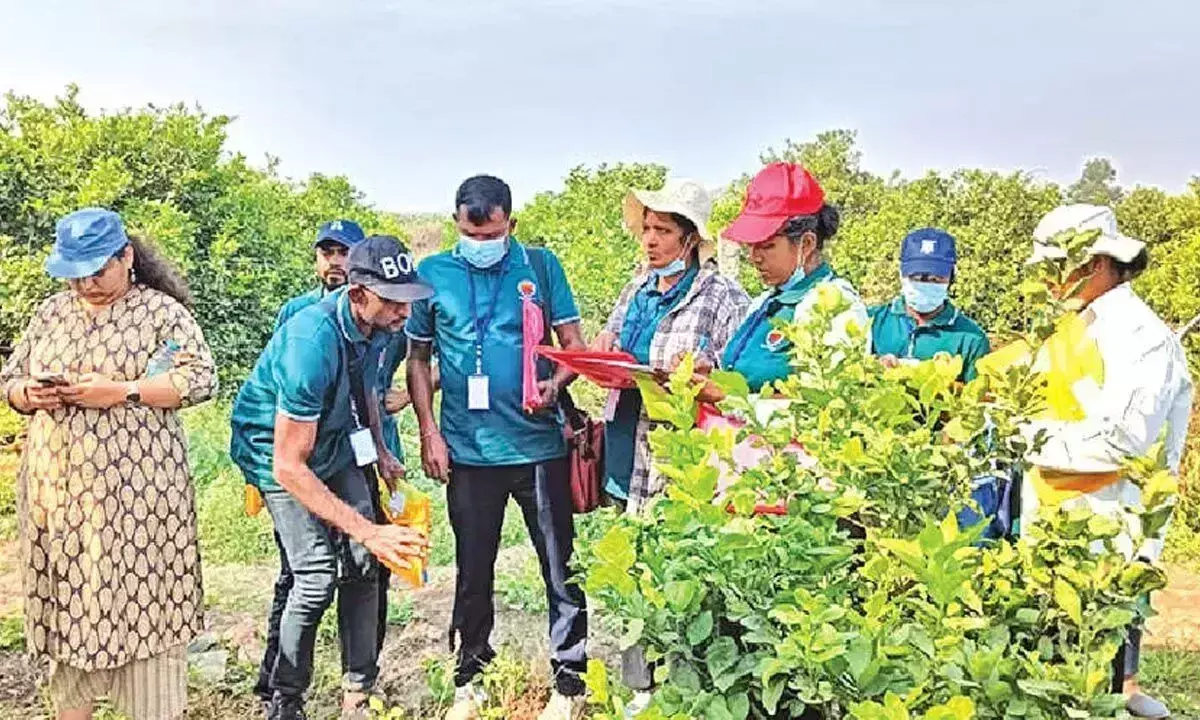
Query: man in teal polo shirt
488, 447
306, 434
922, 321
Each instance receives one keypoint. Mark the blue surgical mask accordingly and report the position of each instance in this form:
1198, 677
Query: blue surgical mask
482, 254
796, 278
672, 269
924, 297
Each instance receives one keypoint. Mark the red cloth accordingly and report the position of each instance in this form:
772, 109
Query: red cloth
606, 369
533, 331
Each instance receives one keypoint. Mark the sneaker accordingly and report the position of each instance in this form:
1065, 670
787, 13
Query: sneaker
641, 700
1141, 705
564, 707
287, 707
467, 701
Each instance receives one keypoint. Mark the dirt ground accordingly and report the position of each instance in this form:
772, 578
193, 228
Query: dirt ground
238, 597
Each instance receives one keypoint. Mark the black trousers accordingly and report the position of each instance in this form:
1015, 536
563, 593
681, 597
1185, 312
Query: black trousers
476, 499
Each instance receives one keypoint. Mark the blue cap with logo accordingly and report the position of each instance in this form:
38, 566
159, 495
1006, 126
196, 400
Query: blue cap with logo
383, 265
84, 242
928, 251
342, 232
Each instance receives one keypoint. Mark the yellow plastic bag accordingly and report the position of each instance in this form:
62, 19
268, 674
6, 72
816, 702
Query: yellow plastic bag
1068, 357
252, 500
411, 508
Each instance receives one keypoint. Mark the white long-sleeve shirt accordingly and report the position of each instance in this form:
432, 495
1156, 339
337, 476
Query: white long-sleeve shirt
1147, 388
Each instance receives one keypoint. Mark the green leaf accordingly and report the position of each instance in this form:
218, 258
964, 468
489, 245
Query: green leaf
733, 384
700, 628
1067, 598
718, 709
633, 633
596, 679
685, 677
858, 657
680, 594
616, 548
739, 705
721, 655
773, 692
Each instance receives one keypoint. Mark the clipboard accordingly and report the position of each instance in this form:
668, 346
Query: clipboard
612, 370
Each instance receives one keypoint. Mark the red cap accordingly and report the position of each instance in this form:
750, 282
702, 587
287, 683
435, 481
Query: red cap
778, 193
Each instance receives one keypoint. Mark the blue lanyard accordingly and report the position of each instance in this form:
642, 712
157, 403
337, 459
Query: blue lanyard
760, 316
483, 322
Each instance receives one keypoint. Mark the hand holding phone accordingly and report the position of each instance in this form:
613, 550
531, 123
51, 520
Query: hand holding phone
47, 379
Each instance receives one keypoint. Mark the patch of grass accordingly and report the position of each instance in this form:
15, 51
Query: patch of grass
1173, 676
227, 534
10, 463
12, 633
522, 588
401, 610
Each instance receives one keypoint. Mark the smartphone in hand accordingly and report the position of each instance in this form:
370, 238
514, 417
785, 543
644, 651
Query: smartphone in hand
51, 379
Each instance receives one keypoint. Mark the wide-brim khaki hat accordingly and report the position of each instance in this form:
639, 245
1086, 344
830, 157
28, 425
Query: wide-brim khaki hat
685, 197
1083, 218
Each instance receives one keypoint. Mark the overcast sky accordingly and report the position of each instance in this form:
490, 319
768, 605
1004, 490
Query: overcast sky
407, 97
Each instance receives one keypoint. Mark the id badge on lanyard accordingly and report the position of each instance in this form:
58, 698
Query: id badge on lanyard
478, 384
364, 447
361, 440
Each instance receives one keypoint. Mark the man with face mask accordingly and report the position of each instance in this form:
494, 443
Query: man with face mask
334, 241
922, 321
487, 447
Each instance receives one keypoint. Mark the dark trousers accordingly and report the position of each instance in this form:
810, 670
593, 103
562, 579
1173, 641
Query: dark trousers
477, 497
315, 562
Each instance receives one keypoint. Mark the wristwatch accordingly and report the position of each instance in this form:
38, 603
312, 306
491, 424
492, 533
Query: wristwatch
131, 393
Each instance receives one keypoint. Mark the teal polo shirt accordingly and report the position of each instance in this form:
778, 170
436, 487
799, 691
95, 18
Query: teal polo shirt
303, 374
895, 332
504, 434
646, 310
757, 349
391, 355
298, 303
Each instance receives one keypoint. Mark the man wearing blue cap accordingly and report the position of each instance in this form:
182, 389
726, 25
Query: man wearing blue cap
922, 322
306, 434
334, 240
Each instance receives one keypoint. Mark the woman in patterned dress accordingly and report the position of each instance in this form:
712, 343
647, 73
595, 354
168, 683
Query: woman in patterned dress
106, 502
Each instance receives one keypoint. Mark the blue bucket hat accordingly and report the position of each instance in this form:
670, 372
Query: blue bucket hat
84, 241
343, 232
928, 251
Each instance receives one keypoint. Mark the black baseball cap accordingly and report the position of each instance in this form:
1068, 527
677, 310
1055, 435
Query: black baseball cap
384, 265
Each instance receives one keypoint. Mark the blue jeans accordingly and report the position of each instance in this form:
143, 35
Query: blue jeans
476, 498
315, 562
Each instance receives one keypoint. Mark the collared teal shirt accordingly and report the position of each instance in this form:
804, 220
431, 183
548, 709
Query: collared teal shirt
304, 374
757, 349
646, 310
390, 357
504, 434
895, 332
298, 303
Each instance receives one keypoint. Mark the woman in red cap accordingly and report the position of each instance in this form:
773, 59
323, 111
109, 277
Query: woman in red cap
786, 223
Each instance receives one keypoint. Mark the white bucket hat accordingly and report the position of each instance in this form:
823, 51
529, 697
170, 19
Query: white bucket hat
685, 197
1082, 218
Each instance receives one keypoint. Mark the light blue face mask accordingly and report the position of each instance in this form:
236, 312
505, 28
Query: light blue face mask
923, 297
672, 269
796, 278
482, 254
